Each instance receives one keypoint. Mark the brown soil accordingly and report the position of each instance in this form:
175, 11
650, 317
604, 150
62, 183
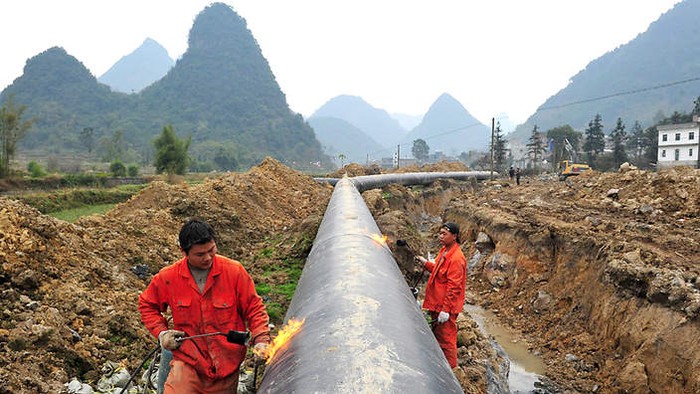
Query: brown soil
604, 286
69, 292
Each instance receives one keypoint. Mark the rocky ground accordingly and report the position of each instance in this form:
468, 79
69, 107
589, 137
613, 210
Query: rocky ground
598, 275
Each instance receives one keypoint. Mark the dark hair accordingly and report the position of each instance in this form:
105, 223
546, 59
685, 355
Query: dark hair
453, 228
195, 232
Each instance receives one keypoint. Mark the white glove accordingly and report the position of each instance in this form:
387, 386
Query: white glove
421, 259
168, 339
443, 317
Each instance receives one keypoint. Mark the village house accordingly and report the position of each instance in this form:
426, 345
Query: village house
679, 145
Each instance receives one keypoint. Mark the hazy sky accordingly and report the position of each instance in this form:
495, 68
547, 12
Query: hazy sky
493, 56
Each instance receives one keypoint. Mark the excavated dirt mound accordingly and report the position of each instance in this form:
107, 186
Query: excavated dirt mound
70, 291
443, 166
597, 274
354, 169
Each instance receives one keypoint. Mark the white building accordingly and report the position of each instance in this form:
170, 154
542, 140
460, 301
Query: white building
679, 145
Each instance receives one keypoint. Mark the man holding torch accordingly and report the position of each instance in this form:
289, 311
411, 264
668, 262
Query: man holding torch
207, 293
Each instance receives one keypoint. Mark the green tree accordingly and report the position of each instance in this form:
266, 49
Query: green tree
132, 170
12, 130
117, 169
342, 157
637, 143
171, 152
559, 136
619, 138
35, 169
594, 139
113, 149
651, 149
536, 148
500, 149
87, 138
696, 106
420, 150
225, 159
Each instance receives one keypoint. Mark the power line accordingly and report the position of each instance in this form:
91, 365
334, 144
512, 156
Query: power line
665, 85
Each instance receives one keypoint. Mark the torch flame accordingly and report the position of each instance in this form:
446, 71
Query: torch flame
283, 336
378, 238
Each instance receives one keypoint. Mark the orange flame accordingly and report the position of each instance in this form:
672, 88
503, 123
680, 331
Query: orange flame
378, 238
283, 336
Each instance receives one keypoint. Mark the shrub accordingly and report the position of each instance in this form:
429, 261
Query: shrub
133, 170
35, 169
117, 169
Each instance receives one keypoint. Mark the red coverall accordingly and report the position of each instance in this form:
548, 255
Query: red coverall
229, 302
445, 293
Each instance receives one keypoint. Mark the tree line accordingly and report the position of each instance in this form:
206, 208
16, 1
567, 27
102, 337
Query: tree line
603, 152
171, 155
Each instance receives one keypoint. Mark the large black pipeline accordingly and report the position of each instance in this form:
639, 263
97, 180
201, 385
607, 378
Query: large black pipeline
363, 330
366, 182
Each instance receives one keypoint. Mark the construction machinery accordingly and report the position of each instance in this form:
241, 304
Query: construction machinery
571, 167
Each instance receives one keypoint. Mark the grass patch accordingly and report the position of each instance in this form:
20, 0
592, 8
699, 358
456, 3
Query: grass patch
274, 311
71, 215
286, 290
65, 199
262, 289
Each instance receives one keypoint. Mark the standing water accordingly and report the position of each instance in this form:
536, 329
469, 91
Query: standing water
525, 367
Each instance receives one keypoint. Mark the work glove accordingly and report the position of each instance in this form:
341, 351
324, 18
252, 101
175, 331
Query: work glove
443, 317
421, 260
168, 339
260, 351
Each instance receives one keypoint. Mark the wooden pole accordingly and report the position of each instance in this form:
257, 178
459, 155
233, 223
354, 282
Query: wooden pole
493, 127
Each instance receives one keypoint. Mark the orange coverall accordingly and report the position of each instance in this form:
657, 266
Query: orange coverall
445, 293
228, 302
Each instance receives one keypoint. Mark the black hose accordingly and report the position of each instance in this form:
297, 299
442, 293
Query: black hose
133, 375
149, 372
420, 278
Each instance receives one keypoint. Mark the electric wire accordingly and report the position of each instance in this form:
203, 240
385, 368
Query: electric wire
618, 94
549, 107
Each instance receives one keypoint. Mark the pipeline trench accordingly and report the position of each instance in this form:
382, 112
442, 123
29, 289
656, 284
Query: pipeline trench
555, 289
600, 287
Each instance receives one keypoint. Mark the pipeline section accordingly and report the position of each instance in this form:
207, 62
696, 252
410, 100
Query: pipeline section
363, 330
366, 182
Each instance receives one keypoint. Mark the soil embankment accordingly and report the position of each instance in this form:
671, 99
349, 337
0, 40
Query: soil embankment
69, 291
598, 275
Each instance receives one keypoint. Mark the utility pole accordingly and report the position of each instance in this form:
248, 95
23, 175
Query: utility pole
398, 156
493, 126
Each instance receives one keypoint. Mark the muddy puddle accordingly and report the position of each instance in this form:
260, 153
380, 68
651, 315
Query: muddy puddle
525, 367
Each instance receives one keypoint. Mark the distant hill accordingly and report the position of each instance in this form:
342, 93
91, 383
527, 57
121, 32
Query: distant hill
375, 122
448, 127
221, 92
340, 137
655, 74
407, 122
133, 72
63, 97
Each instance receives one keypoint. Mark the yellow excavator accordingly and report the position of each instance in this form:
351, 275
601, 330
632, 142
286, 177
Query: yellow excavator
570, 167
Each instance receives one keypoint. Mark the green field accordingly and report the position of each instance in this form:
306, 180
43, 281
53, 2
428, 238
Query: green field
71, 215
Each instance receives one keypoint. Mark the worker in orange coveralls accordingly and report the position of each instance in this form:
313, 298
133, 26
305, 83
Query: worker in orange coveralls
444, 293
206, 293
